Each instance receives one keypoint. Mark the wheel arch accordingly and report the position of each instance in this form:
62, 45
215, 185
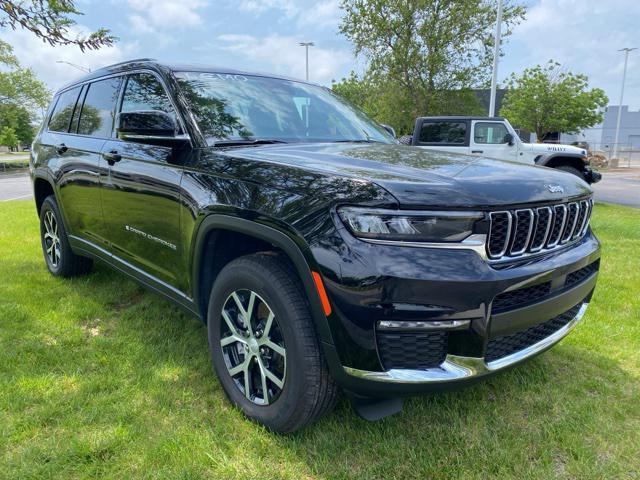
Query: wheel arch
42, 188
219, 227
556, 160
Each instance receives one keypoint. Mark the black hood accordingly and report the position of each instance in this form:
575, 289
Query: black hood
419, 177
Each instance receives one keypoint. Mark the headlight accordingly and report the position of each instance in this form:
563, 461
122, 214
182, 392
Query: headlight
409, 226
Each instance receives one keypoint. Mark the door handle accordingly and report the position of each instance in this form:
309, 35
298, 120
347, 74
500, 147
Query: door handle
477, 151
62, 148
112, 157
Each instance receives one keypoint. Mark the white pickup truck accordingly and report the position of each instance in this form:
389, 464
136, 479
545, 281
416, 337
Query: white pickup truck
495, 137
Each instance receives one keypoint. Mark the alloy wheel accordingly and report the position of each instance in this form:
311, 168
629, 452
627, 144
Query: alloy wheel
51, 238
253, 347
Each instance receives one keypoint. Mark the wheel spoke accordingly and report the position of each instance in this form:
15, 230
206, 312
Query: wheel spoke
263, 377
279, 383
229, 323
275, 347
247, 381
267, 326
233, 371
231, 339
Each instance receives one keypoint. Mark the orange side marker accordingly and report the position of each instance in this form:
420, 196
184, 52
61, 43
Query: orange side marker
326, 306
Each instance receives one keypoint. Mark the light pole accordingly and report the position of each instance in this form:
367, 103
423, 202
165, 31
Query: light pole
306, 46
624, 78
496, 55
79, 67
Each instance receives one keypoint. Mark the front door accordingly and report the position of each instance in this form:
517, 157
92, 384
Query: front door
141, 191
489, 140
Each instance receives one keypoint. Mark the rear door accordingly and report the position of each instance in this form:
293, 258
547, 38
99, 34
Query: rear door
489, 140
76, 162
141, 191
443, 134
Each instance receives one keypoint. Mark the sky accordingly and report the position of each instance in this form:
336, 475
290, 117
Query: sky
263, 35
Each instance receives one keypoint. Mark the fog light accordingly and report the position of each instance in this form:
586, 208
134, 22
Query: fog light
423, 325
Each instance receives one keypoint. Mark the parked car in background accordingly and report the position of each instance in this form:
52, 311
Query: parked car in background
494, 137
320, 253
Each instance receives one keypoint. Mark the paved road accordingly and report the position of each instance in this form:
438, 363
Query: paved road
15, 186
621, 186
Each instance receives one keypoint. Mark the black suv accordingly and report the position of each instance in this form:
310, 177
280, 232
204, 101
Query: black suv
320, 253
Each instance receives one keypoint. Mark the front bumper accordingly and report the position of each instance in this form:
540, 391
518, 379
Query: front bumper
381, 283
456, 368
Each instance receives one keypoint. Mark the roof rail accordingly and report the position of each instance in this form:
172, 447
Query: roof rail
129, 61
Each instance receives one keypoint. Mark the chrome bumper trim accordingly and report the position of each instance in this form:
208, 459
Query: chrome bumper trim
456, 368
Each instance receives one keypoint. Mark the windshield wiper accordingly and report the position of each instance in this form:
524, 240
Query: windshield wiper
358, 140
239, 143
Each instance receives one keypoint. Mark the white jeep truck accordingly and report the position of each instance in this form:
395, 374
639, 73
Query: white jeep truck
495, 137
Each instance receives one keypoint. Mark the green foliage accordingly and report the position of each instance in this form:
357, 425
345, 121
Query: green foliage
19, 119
550, 99
8, 137
424, 56
22, 95
50, 21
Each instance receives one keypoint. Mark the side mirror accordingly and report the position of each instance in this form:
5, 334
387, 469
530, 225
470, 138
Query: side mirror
146, 125
389, 129
508, 138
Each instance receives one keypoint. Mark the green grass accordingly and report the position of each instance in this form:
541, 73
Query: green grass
99, 378
13, 160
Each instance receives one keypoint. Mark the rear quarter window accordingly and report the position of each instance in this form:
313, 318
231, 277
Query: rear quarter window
443, 133
63, 111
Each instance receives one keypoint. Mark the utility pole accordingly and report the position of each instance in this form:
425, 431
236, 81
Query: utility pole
79, 67
624, 78
306, 46
496, 55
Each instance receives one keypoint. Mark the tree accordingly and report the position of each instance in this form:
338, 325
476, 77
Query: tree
8, 137
19, 86
19, 119
50, 21
550, 99
425, 54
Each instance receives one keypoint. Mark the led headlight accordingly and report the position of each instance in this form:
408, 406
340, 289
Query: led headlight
409, 226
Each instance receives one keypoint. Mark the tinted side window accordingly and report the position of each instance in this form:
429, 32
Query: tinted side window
99, 107
61, 115
490, 133
145, 92
453, 133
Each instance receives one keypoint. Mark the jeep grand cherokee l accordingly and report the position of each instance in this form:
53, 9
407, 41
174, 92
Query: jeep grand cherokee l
320, 253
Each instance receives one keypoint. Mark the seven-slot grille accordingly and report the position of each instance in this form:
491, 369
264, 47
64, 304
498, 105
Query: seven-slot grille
517, 233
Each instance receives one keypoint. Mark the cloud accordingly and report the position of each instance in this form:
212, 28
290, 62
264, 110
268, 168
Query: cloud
584, 36
286, 56
309, 14
321, 15
151, 14
43, 58
259, 6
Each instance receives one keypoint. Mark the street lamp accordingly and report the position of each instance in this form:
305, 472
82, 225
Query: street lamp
624, 77
79, 67
306, 46
496, 55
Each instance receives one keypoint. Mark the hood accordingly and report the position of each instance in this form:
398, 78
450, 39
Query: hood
419, 177
547, 148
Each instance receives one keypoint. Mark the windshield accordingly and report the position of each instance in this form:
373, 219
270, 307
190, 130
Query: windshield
230, 107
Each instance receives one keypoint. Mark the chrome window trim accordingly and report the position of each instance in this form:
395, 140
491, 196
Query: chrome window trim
547, 230
458, 368
507, 236
513, 253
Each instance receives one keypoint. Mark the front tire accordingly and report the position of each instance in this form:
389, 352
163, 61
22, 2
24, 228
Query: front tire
264, 348
60, 259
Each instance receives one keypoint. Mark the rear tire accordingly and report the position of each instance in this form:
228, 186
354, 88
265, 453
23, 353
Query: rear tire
282, 356
572, 170
60, 259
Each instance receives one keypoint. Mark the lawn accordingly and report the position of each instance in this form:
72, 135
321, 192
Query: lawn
99, 378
